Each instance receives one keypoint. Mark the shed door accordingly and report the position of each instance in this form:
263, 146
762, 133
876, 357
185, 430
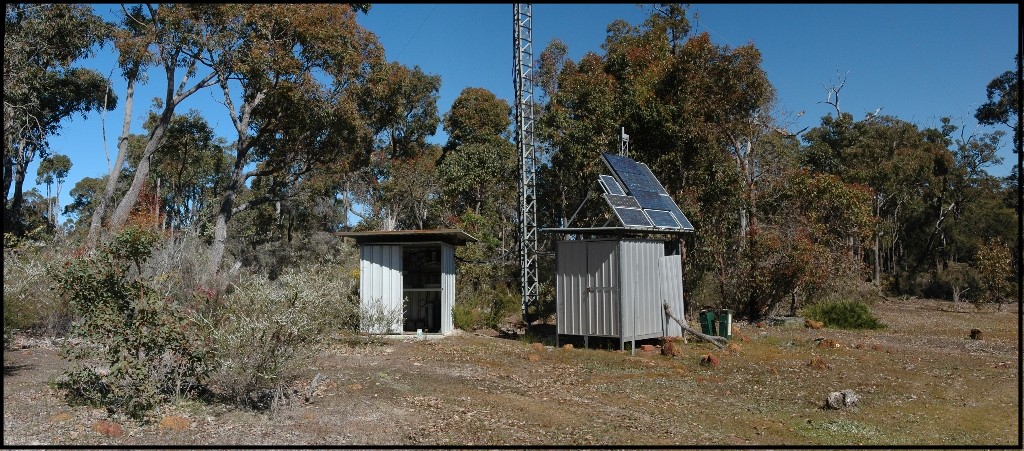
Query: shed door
380, 288
672, 292
602, 307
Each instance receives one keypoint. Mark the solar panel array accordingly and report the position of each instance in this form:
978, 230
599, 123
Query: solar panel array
638, 198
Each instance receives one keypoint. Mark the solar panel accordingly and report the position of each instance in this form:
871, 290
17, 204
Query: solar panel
685, 223
632, 217
621, 201
635, 181
655, 183
662, 218
611, 186
620, 164
650, 199
644, 188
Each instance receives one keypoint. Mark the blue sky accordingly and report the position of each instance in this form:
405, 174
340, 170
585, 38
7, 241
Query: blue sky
918, 62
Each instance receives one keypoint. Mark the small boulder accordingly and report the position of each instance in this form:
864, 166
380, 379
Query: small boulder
709, 360
533, 357
174, 423
567, 346
842, 399
537, 347
812, 324
828, 343
108, 429
670, 348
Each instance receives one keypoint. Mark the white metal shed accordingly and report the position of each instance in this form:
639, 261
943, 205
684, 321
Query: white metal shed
407, 279
615, 287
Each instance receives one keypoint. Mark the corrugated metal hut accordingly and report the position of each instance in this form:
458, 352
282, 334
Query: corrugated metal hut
615, 287
407, 277
616, 282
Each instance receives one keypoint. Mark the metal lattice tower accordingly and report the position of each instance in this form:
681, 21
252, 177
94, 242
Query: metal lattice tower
524, 82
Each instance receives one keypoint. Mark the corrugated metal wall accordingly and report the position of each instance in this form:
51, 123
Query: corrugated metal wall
672, 291
601, 284
380, 281
603, 276
586, 288
570, 286
641, 288
447, 286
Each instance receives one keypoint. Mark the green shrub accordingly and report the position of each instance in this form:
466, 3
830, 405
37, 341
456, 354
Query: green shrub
467, 317
487, 308
130, 348
504, 304
267, 328
844, 315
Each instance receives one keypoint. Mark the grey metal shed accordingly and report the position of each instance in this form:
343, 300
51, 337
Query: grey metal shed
615, 287
407, 279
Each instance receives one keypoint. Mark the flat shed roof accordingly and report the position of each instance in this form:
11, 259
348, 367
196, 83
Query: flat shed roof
455, 237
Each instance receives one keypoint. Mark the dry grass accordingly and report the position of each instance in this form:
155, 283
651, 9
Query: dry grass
921, 381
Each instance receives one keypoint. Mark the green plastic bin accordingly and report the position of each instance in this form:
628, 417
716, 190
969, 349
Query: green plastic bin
725, 323
707, 322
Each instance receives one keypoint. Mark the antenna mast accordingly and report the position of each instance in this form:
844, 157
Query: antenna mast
524, 81
624, 143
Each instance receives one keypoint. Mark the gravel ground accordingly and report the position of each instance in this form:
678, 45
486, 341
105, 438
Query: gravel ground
921, 381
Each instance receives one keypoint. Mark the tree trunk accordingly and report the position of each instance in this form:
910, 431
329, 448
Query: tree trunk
8, 176
124, 208
878, 261
49, 206
14, 215
56, 197
719, 342
115, 172
220, 229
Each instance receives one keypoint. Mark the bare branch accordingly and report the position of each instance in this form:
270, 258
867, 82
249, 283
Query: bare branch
834, 91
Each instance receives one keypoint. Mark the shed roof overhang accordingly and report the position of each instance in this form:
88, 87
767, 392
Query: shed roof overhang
455, 237
616, 231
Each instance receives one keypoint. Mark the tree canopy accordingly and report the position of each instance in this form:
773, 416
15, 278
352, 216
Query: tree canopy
326, 134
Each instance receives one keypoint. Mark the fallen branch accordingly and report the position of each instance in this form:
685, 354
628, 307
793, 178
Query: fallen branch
717, 341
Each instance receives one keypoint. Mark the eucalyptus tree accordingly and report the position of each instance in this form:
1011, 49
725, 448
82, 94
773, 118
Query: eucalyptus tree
479, 164
399, 181
1003, 107
478, 176
53, 170
578, 122
891, 157
1003, 102
187, 171
151, 35
41, 86
85, 195
288, 75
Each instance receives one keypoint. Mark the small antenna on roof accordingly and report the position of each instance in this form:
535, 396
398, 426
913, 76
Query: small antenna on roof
624, 143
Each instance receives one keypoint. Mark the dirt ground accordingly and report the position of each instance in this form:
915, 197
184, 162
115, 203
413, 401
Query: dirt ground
921, 381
